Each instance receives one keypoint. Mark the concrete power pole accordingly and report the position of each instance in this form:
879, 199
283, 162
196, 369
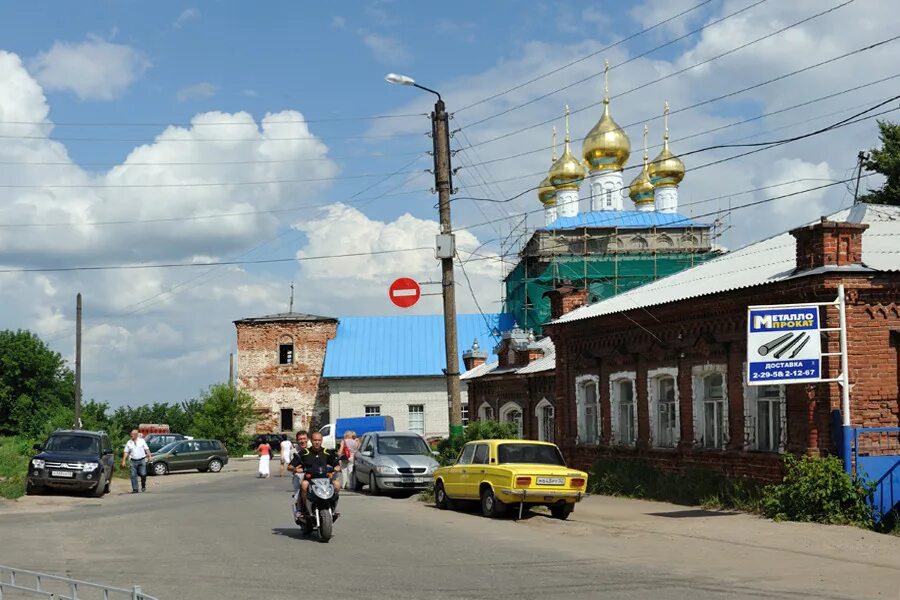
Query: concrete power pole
78, 361
231, 369
446, 250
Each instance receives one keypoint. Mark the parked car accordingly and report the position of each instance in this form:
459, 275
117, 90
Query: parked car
158, 440
503, 473
272, 439
334, 432
77, 460
203, 455
393, 461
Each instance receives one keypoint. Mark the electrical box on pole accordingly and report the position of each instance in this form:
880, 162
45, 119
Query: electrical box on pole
445, 246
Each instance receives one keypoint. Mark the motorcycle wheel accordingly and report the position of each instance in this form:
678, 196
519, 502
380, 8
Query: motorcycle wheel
325, 525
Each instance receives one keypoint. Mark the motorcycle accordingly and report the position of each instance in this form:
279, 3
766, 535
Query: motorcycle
321, 499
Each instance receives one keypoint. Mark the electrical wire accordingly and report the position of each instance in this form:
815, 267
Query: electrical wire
207, 123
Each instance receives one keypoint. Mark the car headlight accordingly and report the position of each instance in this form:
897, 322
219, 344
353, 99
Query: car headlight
386, 469
37, 463
90, 467
432, 469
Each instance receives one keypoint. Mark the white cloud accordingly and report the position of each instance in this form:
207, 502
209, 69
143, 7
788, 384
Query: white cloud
93, 69
189, 14
203, 89
386, 50
338, 22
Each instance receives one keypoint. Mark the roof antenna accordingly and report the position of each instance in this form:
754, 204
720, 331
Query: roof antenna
291, 307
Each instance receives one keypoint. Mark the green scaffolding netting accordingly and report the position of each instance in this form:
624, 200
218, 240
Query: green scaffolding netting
606, 275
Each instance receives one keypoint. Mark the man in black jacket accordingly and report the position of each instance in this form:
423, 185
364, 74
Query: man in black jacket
314, 461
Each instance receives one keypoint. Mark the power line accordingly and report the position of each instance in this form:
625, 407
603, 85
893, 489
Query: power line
208, 123
625, 62
586, 57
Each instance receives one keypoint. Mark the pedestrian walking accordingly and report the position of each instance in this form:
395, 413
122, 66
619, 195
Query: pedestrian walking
349, 446
137, 451
265, 455
287, 453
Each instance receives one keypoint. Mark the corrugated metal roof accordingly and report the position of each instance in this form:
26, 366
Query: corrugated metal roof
768, 261
482, 369
408, 346
624, 219
282, 317
545, 363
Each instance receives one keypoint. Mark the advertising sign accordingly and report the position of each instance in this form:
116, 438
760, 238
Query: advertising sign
783, 345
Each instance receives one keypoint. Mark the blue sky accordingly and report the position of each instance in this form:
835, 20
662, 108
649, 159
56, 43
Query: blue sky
101, 104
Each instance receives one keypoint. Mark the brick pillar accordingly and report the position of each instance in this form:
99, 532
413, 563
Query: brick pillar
565, 299
685, 403
564, 405
642, 402
735, 382
797, 411
605, 408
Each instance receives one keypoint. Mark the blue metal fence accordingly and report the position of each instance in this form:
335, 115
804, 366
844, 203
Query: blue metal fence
874, 455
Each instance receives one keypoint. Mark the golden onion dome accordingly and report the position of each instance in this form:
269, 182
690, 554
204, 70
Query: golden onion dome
546, 190
606, 146
666, 170
567, 172
641, 188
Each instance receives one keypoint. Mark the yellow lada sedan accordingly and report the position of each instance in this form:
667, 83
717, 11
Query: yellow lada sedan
510, 473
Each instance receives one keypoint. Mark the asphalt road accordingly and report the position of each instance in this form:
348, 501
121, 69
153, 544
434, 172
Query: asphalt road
230, 536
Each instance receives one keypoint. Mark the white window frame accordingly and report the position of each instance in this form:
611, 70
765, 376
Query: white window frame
751, 416
483, 412
615, 379
410, 413
464, 413
653, 377
539, 418
372, 413
510, 407
580, 382
698, 374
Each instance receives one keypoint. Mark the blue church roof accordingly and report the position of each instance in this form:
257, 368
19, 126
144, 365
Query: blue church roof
623, 219
406, 346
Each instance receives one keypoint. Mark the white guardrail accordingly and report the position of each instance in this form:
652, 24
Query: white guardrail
16, 582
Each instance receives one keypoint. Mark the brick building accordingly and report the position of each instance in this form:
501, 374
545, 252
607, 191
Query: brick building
280, 360
658, 372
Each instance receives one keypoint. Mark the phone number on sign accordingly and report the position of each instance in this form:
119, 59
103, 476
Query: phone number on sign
788, 374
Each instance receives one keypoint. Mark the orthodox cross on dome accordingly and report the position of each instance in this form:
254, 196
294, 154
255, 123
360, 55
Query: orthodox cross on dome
567, 127
666, 121
646, 156
554, 145
606, 81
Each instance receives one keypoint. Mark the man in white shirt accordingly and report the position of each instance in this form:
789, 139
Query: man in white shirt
137, 451
287, 452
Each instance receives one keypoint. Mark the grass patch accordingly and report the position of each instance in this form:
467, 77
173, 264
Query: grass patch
640, 479
427, 495
15, 452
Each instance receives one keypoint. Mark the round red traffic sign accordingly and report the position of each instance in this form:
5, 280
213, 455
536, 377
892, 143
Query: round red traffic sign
404, 292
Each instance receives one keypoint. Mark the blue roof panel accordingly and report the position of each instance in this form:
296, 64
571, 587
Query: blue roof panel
624, 219
406, 346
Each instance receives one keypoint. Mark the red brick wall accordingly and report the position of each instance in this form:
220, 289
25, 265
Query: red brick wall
275, 386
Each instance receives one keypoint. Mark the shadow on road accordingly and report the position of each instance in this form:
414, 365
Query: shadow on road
687, 514
294, 533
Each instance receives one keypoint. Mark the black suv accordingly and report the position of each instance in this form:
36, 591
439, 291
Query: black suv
78, 460
272, 439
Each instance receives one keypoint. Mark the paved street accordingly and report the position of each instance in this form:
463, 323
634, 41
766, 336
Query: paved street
229, 536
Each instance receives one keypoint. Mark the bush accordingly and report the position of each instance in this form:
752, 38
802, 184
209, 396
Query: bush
641, 479
819, 490
224, 412
448, 448
15, 452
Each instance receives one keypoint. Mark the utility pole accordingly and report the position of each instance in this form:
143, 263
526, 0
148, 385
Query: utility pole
78, 361
231, 369
860, 158
446, 250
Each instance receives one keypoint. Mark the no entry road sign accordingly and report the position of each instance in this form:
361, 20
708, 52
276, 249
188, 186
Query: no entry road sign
404, 292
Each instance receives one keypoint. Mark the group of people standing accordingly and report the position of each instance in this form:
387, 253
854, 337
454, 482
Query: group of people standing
288, 449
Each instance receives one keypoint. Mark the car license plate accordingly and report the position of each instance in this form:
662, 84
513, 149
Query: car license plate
550, 480
411, 479
62, 474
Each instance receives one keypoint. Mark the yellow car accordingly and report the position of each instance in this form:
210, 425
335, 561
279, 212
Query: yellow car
505, 473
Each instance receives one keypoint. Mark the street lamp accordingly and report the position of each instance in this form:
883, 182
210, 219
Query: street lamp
445, 248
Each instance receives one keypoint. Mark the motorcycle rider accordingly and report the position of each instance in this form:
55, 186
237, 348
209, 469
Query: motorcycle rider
296, 462
317, 456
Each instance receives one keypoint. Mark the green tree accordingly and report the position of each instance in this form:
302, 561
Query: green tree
35, 384
885, 160
224, 413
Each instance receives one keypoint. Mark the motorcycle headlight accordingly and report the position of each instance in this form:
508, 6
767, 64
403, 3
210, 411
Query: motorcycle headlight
90, 467
386, 469
37, 463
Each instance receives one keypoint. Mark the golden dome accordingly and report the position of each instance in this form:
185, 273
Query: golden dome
567, 173
606, 146
666, 170
546, 190
641, 189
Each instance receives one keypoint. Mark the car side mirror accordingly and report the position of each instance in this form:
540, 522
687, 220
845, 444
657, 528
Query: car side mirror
174, 452
38, 447
107, 452
435, 453
367, 453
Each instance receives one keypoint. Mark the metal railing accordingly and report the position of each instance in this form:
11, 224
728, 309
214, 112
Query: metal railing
52, 587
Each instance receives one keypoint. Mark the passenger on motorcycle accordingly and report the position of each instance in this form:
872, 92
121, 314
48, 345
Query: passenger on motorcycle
318, 459
296, 463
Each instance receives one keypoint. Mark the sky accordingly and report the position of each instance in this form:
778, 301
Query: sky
265, 134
